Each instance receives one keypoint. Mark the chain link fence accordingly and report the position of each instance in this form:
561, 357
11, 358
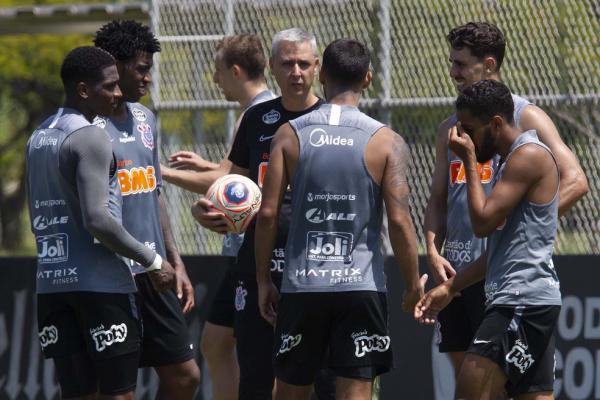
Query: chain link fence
553, 59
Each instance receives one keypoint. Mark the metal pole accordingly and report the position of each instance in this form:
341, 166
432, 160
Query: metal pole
385, 57
229, 30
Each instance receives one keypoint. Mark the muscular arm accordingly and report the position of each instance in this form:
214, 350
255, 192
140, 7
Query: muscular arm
89, 152
170, 245
274, 187
573, 182
396, 192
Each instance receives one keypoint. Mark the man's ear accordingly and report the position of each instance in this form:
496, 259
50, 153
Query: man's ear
82, 90
367, 80
236, 71
490, 64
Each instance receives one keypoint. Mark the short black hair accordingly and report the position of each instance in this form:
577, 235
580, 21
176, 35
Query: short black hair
126, 39
346, 61
246, 51
85, 64
482, 38
485, 99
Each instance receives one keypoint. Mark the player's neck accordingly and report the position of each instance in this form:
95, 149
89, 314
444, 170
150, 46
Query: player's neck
344, 98
75, 105
506, 140
120, 112
297, 104
251, 90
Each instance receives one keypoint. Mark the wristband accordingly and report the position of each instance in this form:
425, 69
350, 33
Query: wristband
156, 264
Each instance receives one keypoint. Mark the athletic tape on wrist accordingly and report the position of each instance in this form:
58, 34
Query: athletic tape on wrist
156, 264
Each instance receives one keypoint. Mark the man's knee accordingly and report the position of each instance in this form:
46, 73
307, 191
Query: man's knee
217, 341
177, 377
353, 389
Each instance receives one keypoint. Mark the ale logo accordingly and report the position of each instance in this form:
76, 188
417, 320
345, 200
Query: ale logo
329, 246
457, 172
137, 180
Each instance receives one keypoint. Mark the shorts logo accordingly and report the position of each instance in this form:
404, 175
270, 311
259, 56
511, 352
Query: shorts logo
137, 180
138, 114
519, 357
104, 338
147, 136
457, 172
366, 344
240, 298
329, 246
99, 122
317, 215
48, 335
53, 248
318, 137
271, 117
288, 342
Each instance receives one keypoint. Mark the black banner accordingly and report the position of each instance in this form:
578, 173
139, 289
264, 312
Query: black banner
421, 372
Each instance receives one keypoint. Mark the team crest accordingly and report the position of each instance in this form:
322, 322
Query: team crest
100, 122
271, 117
139, 114
147, 136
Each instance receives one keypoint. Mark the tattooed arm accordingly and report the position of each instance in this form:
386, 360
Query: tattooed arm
395, 190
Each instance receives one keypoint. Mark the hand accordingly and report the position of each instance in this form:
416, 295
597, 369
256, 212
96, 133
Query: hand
434, 301
460, 143
268, 297
163, 279
410, 297
440, 268
183, 287
165, 172
204, 212
188, 160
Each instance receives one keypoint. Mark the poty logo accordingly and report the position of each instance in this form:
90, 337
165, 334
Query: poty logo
271, 117
104, 338
365, 344
138, 114
53, 248
318, 137
329, 246
48, 335
317, 215
519, 357
137, 180
41, 222
236, 193
288, 342
457, 172
43, 140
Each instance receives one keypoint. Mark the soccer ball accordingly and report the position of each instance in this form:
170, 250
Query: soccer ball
238, 198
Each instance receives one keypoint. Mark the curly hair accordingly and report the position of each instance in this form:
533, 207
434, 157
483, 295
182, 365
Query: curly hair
482, 38
485, 99
126, 39
85, 64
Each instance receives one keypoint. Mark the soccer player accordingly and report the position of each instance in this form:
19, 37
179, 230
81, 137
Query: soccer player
132, 129
513, 348
294, 63
239, 72
88, 319
476, 52
342, 165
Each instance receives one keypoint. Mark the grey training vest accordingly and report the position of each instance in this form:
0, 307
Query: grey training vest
138, 167
520, 269
69, 258
462, 247
233, 241
334, 237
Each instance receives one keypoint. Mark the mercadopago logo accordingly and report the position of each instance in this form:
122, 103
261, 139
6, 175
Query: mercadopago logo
318, 137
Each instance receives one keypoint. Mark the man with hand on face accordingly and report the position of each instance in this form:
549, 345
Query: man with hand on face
513, 347
132, 128
477, 52
88, 317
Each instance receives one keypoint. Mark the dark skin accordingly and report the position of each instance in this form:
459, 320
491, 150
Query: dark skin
134, 79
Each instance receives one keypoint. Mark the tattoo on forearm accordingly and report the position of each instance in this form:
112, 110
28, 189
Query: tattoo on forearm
397, 169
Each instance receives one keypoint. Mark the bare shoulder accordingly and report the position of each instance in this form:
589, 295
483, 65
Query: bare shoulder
387, 141
530, 160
